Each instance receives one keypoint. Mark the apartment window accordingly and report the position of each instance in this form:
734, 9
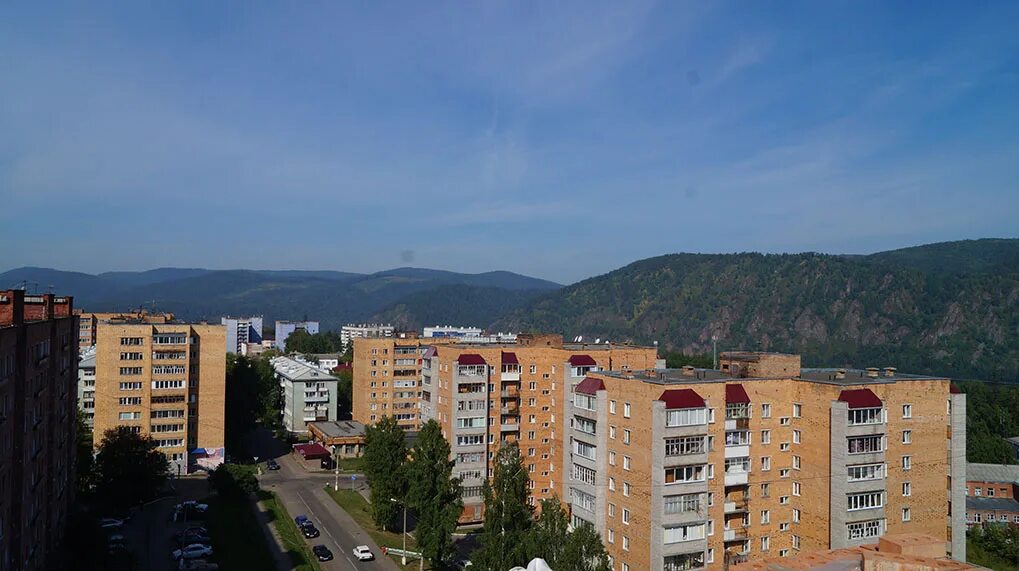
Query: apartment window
130, 370
626, 410
796, 488
612, 458
866, 472
865, 416
865, 444
581, 499
612, 407
977, 492
130, 401
682, 503
784, 526
626, 462
711, 499
783, 553
130, 340
796, 437
626, 545
737, 438
907, 462
612, 432
612, 510
907, 489
783, 500
766, 410
866, 501
783, 447
684, 446
586, 402
711, 558
533, 386
130, 386
534, 369
688, 532
125, 356
612, 536
765, 516
612, 484
685, 417
907, 411
765, 490
179, 384
797, 410
584, 449
765, 463
130, 416
584, 474
470, 440
626, 436
626, 489
907, 436
765, 543
864, 529
796, 542
783, 473
626, 516
765, 437
796, 462
796, 515
784, 421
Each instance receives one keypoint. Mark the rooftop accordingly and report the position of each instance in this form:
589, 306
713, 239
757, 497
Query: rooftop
691, 375
339, 429
897, 552
992, 504
992, 473
295, 370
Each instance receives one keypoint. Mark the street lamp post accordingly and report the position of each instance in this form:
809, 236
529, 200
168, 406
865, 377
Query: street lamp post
403, 558
336, 466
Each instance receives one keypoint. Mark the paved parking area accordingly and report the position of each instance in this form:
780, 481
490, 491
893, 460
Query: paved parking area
149, 532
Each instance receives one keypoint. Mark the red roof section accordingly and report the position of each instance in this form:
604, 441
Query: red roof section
735, 394
682, 398
860, 398
590, 386
509, 358
952, 389
311, 451
430, 352
471, 359
582, 361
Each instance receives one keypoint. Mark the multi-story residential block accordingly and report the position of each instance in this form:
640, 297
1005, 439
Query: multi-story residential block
387, 378
167, 381
285, 328
38, 373
240, 331
685, 469
310, 394
87, 385
991, 494
88, 322
485, 395
468, 334
353, 331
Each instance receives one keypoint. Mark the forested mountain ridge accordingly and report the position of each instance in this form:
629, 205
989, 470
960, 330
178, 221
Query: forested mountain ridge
918, 309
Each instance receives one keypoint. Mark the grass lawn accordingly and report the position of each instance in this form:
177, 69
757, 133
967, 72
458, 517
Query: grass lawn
357, 508
300, 554
976, 555
352, 465
237, 535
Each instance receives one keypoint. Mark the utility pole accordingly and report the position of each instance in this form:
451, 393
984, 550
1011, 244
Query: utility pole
336, 472
403, 557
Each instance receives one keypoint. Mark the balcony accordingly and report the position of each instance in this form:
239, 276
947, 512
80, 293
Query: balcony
737, 534
737, 451
316, 397
510, 376
510, 392
511, 408
742, 423
736, 477
737, 506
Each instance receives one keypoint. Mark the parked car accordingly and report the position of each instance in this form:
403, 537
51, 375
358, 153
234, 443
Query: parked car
272, 465
192, 505
309, 531
301, 519
194, 530
327, 463
115, 538
193, 551
196, 565
109, 523
116, 548
322, 552
190, 538
363, 553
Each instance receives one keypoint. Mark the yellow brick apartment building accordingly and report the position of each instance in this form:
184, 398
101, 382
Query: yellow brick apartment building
163, 380
690, 469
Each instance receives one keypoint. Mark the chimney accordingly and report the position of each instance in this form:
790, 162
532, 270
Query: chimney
872, 372
840, 374
688, 370
890, 371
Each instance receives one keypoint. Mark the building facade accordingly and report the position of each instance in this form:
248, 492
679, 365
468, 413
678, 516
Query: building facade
87, 385
991, 492
240, 331
38, 374
310, 394
285, 328
468, 334
688, 469
88, 322
353, 331
484, 395
387, 377
167, 381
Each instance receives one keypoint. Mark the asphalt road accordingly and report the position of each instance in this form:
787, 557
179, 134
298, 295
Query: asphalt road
303, 493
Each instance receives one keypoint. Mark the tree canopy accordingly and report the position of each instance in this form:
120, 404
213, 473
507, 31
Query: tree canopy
434, 494
385, 457
129, 468
508, 515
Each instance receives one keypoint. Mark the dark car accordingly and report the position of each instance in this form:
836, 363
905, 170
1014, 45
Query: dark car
188, 538
272, 465
195, 530
327, 463
322, 552
309, 530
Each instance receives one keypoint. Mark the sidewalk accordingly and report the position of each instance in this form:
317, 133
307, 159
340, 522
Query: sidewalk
265, 518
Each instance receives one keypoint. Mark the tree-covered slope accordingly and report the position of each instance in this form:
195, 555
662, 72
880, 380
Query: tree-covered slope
836, 310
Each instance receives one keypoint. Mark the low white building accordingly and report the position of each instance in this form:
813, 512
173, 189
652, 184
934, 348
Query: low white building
468, 334
87, 384
353, 331
310, 394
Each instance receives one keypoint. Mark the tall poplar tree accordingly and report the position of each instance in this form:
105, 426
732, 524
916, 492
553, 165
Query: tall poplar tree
385, 458
434, 494
508, 517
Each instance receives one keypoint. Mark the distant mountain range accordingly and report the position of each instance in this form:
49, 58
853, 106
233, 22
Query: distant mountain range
950, 308
331, 297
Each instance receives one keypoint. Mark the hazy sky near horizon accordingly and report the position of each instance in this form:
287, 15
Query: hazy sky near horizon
555, 139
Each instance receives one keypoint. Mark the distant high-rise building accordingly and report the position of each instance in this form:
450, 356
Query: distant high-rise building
166, 381
241, 331
87, 384
285, 328
38, 374
353, 331
89, 321
467, 334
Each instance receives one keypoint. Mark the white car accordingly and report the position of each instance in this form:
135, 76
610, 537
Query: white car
192, 505
193, 551
109, 523
363, 553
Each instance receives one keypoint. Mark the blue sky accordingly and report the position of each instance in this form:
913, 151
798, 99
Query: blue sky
556, 139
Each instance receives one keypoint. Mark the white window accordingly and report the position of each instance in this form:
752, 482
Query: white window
684, 417
626, 462
907, 436
626, 410
711, 556
626, 489
865, 416
783, 553
797, 410
765, 543
612, 536
765, 490
796, 437
766, 410
612, 510
130, 415
796, 462
689, 532
784, 421
534, 369
865, 444
866, 472
907, 489
783, 473
626, 436
583, 474
682, 503
783, 447
626, 547
765, 437
866, 501
584, 449
586, 402
626, 516
612, 484
907, 411
784, 526
796, 488
612, 407
765, 516
684, 446
907, 462
765, 463
612, 458
612, 432
860, 530
796, 515
582, 499
783, 500
796, 542
684, 474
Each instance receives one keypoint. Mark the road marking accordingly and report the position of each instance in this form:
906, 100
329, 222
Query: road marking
337, 543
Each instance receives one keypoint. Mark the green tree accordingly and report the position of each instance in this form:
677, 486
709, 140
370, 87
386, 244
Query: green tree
585, 551
385, 458
234, 480
434, 494
550, 539
508, 516
85, 463
129, 468
345, 392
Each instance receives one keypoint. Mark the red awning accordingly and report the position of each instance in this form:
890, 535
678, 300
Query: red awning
311, 451
860, 398
682, 398
736, 394
471, 359
509, 358
590, 386
582, 361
